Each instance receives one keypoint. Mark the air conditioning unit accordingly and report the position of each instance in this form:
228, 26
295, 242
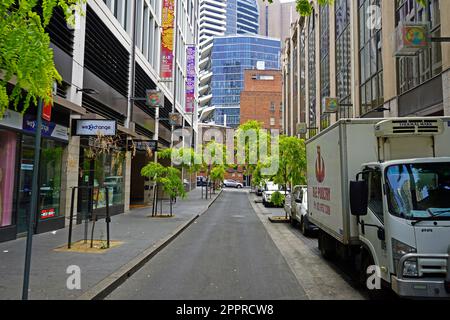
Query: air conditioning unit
402, 127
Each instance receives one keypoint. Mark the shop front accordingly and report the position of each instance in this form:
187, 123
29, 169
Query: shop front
101, 171
17, 138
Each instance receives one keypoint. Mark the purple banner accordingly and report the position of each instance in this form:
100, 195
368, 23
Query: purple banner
190, 79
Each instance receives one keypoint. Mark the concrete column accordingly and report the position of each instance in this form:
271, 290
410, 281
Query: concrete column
127, 186
388, 43
332, 55
69, 179
354, 49
317, 48
446, 91
307, 75
71, 155
445, 31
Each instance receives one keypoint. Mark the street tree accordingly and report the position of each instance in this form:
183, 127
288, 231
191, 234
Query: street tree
248, 140
166, 176
25, 54
213, 161
291, 162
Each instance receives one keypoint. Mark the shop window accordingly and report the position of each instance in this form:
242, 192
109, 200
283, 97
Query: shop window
8, 142
50, 179
109, 172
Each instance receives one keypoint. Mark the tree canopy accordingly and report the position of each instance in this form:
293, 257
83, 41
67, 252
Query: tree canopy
25, 54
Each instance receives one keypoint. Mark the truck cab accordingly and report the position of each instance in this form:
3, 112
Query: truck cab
406, 223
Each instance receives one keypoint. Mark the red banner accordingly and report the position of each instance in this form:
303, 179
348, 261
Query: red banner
47, 111
167, 34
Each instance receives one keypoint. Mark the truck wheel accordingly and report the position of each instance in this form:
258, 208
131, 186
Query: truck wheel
375, 294
325, 246
293, 221
303, 228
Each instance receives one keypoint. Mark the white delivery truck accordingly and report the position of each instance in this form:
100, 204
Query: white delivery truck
379, 191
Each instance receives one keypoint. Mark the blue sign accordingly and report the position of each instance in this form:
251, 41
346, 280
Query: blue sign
49, 129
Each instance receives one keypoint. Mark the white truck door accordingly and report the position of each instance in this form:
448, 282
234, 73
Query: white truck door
374, 221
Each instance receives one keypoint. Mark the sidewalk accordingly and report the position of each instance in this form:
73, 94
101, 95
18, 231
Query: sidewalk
136, 230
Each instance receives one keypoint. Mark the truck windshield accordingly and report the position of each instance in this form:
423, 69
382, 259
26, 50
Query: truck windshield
419, 190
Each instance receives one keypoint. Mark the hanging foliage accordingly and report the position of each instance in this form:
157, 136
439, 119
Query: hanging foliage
25, 54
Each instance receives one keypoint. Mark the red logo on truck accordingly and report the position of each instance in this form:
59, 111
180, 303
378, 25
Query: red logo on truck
320, 167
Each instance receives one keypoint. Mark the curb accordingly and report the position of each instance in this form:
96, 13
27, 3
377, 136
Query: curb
111, 282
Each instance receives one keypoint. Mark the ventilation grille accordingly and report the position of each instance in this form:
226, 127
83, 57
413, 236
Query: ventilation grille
143, 131
104, 54
143, 83
99, 108
60, 34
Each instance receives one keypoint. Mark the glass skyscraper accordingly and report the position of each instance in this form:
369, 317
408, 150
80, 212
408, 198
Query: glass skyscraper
231, 55
242, 17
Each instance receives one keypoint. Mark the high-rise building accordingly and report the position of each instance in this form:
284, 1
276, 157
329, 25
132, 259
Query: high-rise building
336, 52
275, 18
231, 56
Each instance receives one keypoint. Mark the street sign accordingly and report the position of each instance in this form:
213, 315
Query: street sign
330, 105
154, 98
175, 119
86, 127
302, 128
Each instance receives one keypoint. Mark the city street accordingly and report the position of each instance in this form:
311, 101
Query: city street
234, 252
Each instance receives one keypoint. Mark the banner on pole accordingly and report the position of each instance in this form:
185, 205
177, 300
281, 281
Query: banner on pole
190, 79
167, 34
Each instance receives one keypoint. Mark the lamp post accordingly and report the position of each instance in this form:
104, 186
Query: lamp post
34, 201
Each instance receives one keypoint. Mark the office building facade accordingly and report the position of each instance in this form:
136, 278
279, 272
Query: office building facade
230, 57
94, 60
348, 51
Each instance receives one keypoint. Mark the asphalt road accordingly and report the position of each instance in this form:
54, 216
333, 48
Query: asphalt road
226, 254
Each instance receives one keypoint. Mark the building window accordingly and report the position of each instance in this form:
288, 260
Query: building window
371, 62
324, 61
343, 58
413, 71
272, 107
272, 121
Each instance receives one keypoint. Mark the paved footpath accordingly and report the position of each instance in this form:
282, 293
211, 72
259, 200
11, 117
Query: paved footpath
139, 233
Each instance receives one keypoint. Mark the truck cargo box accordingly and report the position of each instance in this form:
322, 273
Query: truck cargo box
335, 157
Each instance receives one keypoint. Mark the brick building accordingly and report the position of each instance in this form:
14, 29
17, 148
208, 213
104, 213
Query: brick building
261, 98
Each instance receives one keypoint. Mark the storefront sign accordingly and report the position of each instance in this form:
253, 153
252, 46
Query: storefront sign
330, 105
47, 111
175, 119
12, 119
302, 128
167, 35
412, 38
143, 145
155, 98
190, 79
49, 129
48, 213
85, 127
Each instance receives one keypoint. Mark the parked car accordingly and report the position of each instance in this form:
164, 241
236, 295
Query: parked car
232, 184
296, 206
269, 189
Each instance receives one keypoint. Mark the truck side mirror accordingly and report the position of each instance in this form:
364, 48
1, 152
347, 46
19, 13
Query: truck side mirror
359, 197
